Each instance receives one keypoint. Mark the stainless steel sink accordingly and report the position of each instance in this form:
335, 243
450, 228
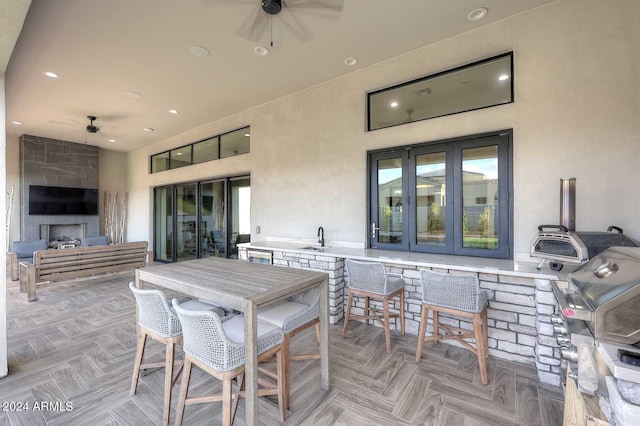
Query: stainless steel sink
315, 248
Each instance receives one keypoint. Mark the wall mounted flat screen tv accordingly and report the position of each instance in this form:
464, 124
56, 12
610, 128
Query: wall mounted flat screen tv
54, 200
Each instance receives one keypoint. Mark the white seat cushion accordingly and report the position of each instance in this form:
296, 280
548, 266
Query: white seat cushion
278, 313
197, 305
234, 328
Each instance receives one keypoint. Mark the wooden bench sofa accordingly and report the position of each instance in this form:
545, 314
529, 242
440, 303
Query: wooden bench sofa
52, 265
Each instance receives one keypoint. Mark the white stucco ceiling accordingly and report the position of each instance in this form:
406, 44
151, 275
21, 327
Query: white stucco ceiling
102, 49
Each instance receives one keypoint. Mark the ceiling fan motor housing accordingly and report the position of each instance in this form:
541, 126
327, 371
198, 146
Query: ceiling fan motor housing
272, 7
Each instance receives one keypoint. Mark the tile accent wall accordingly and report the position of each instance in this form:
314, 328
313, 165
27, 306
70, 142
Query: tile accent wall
52, 162
520, 329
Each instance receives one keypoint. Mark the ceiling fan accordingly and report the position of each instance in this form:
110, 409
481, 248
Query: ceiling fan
287, 11
113, 131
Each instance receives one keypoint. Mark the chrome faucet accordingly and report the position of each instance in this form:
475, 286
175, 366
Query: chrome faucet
321, 236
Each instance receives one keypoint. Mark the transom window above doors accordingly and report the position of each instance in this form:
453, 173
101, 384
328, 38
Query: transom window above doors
214, 148
449, 197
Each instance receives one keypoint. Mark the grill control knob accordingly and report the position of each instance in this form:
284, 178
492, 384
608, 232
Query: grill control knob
560, 329
563, 340
556, 319
570, 353
573, 375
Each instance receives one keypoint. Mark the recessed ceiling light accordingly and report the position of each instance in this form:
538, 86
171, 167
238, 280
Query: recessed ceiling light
393, 104
112, 140
503, 77
17, 122
199, 51
148, 129
350, 61
51, 74
247, 134
134, 95
173, 111
477, 14
178, 153
261, 51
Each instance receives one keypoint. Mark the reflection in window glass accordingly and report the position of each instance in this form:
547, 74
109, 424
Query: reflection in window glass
478, 85
480, 197
206, 150
431, 200
181, 157
212, 222
160, 162
235, 143
390, 201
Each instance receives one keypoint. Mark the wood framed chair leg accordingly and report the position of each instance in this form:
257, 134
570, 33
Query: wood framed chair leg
184, 387
286, 369
386, 325
168, 380
423, 328
402, 312
436, 327
142, 339
480, 349
226, 399
366, 310
485, 331
347, 314
283, 384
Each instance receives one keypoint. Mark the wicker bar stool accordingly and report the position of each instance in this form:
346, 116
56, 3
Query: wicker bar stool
293, 316
217, 347
371, 280
158, 320
460, 295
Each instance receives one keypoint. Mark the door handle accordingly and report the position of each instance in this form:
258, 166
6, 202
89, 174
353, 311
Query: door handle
373, 230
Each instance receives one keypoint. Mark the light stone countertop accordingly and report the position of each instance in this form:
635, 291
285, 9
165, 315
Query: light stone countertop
428, 260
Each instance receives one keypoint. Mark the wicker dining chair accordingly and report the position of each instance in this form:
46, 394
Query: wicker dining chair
294, 315
371, 280
459, 295
217, 347
158, 320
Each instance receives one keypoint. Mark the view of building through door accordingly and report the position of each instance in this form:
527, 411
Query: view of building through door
211, 218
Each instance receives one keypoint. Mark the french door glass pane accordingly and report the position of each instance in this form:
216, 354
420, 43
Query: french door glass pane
212, 219
186, 241
164, 223
431, 200
480, 221
240, 223
390, 201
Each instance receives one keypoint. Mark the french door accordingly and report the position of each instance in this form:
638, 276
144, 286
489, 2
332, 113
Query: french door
450, 197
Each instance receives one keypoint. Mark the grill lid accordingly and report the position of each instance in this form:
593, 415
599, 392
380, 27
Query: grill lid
608, 275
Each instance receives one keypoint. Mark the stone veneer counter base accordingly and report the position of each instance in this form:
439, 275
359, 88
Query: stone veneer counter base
520, 296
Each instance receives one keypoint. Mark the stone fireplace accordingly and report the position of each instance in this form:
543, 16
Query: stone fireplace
51, 162
55, 234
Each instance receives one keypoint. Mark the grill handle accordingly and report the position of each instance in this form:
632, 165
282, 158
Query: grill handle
611, 228
556, 227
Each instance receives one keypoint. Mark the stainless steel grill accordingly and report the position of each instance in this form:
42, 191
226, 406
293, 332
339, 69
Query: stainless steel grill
599, 302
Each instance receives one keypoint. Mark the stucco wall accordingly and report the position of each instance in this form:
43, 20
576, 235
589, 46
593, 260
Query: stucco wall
112, 177
3, 236
575, 115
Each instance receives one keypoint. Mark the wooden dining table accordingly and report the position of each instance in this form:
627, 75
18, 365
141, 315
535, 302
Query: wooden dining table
245, 287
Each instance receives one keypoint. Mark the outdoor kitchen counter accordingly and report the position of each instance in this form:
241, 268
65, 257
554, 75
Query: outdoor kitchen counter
427, 260
520, 296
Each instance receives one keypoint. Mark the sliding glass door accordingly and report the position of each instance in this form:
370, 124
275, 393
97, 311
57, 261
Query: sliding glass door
213, 212
201, 219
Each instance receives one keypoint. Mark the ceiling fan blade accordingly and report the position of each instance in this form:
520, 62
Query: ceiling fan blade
212, 3
326, 6
254, 26
111, 132
73, 123
292, 23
